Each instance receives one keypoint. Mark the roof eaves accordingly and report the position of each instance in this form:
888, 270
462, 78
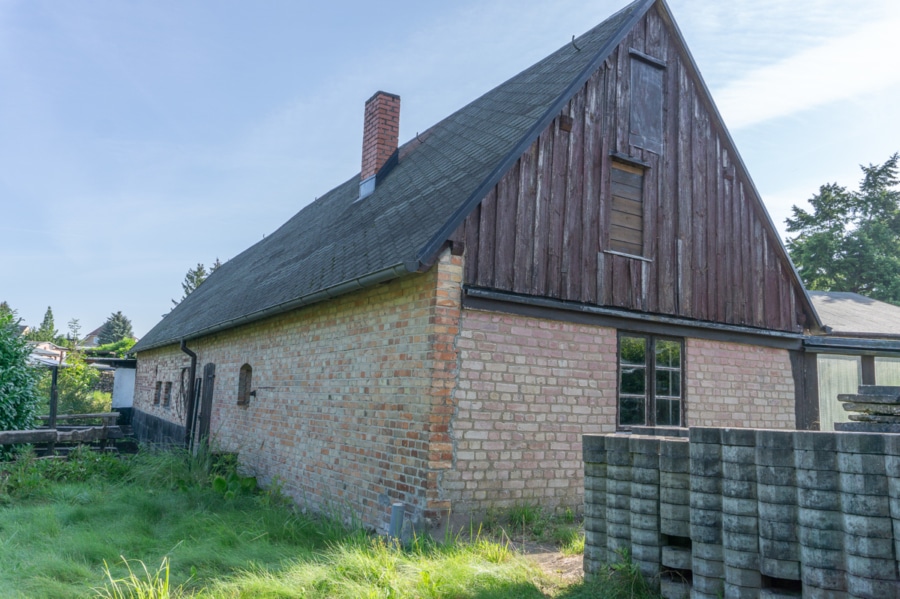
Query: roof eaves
362, 282
427, 253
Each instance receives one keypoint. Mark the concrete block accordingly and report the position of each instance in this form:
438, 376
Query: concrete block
774, 475
674, 589
675, 449
645, 507
872, 568
643, 460
597, 525
646, 536
706, 501
618, 501
777, 568
645, 491
741, 559
617, 545
650, 569
739, 488
824, 480
708, 551
639, 444
815, 440
621, 532
594, 510
869, 547
708, 568
675, 464
708, 586
777, 494
737, 456
675, 528
645, 553
618, 515
742, 577
739, 506
778, 594
739, 542
892, 462
774, 439
676, 557
780, 550
865, 526
706, 534
738, 436
778, 531
645, 476
695, 594
709, 518
833, 580
866, 505
733, 591
745, 471
827, 559
618, 472
706, 466
745, 525
820, 520
702, 435
593, 443
618, 487
815, 460
894, 486
859, 463
867, 588
778, 512
819, 500
864, 484
815, 593
618, 459
767, 456
706, 484
674, 496
672, 480
867, 443
674, 512
820, 539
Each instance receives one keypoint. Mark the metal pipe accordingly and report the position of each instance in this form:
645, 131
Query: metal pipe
190, 408
397, 512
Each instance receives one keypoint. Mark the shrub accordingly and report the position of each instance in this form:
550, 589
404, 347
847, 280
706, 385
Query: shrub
18, 381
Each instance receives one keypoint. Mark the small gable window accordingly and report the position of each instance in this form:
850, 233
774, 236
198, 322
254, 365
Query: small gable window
650, 380
245, 382
646, 122
626, 218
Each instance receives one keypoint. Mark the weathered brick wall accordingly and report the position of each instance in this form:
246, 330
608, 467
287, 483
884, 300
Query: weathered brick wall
738, 385
352, 402
528, 390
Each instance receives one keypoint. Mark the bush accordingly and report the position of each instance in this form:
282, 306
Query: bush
18, 381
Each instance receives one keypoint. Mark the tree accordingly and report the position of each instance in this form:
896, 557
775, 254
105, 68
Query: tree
5, 309
116, 328
77, 388
74, 335
18, 380
194, 278
47, 331
851, 240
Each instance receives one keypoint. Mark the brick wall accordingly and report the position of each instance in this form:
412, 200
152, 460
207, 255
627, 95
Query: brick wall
738, 385
352, 402
528, 390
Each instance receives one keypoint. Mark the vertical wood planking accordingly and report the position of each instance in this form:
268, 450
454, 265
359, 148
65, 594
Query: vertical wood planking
667, 215
758, 273
685, 209
525, 220
590, 208
557, 210
713, 177
608, 143
472, 236
746, 254
486, 239
572, 233
542, 211
700, 134
504, 260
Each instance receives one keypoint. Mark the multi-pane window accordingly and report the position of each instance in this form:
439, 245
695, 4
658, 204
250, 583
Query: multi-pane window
650, 380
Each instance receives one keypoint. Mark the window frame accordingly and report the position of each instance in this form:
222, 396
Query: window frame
245, 384
167, 394
158, 393
650, 394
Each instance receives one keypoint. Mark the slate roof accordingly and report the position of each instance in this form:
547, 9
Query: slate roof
337, 244
852, 314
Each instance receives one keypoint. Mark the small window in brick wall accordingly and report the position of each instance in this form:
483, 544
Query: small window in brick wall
167, 395
158, 393
650, 380
245, 383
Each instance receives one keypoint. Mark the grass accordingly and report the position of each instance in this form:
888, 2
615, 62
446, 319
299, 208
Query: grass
167, 525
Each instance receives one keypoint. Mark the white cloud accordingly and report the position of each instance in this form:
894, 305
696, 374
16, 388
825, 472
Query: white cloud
843, 68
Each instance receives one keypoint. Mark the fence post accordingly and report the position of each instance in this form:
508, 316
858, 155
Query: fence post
54, 400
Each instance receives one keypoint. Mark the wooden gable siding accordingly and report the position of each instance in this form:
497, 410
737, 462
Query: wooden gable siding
710, 254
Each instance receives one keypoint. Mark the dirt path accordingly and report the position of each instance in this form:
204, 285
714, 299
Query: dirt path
562, 569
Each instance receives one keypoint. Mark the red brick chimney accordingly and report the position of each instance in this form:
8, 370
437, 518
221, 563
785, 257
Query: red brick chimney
381, 132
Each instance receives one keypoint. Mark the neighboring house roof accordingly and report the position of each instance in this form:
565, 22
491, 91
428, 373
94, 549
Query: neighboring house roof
854, 315
338, 244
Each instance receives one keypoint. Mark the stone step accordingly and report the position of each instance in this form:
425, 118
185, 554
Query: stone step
872, 408
879, 390
674, 589
888, 400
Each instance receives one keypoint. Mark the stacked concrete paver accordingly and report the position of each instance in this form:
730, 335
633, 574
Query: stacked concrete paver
744, 513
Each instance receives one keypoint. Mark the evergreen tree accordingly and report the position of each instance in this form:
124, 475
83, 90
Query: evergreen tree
47, 331
851, 240
194, 278
116, 328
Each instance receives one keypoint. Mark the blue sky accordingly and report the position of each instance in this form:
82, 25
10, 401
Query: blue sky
139, 138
